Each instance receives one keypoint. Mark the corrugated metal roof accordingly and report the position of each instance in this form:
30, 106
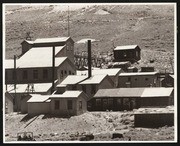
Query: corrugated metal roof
95, 79
40, 57
110, 72
67, 94
119, 92
73, 79
127, 47
39, 98
168, 109
157, 92
38, 87
51, 40
9, 63
138, 73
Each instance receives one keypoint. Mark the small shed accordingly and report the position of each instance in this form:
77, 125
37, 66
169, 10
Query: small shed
38, 104
130, 53
69, 103
157, 97
154, 117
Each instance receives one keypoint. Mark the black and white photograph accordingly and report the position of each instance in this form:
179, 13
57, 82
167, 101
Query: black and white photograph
89, 72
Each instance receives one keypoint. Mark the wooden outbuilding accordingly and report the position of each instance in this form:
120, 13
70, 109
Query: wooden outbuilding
154, 117
130, 53
69, 103
138, 79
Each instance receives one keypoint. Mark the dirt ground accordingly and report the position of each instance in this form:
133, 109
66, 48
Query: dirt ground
101, 124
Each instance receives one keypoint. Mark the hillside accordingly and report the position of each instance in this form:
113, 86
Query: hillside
101, 124
149, 26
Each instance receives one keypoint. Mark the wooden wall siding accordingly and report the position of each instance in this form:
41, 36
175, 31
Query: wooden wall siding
9, 107
38, 108
155, 101
114, 104
63, 109
119, 55
66, 66
153, 120
138, 81
24, 104
84, 105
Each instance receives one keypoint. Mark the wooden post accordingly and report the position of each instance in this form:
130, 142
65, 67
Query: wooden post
53, 68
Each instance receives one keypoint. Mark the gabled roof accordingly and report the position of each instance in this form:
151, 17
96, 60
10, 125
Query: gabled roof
38, 87
157, 92
109, 72
9, 63
67, 94
40, 57
72, 79
138, 74
39, 98
134, 92
127, 47
95, 79
51, 40
120, 92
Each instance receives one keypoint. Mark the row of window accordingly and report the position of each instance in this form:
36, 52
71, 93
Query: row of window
35, 74
129, 79
69, 105
45, 74
64, 73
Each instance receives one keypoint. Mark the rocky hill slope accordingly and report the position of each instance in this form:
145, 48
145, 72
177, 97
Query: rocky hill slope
149, 26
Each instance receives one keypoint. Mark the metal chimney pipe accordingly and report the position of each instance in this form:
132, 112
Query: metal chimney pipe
53, 68
89, 59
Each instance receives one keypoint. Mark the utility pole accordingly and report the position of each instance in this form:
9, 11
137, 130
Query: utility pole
68, 23
15, 76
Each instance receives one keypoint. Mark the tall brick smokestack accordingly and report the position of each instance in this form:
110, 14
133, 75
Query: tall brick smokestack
89, 59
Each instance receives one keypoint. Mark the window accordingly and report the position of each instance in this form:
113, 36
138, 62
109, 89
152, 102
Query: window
98, 102
135, 79
25, 74
69, 72
129, 79
69, 104
80, 105
6, 75
146, 79
125, 54
65, 72
137, 54
56, 106
35, 74
45, 74
61, 73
